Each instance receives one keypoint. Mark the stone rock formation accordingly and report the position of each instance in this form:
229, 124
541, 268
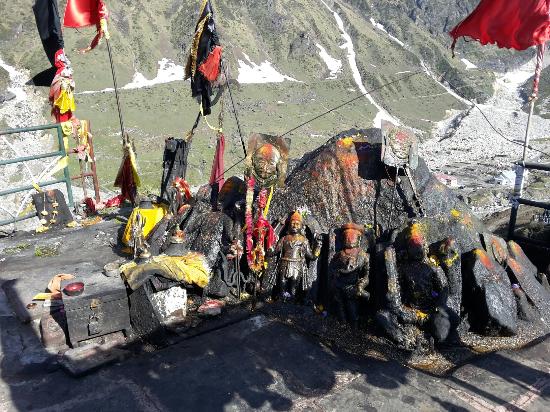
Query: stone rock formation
468, 273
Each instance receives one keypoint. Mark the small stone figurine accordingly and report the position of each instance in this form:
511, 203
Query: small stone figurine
292, 273
350, 274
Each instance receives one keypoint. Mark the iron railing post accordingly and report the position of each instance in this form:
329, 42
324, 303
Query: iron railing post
63, 150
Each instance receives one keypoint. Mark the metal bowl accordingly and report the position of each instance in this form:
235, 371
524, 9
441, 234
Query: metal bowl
74, 289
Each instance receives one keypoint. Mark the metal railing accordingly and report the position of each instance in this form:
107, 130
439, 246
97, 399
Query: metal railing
517, 200
61, 152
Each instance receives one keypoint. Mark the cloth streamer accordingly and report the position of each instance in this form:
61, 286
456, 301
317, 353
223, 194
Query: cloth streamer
191, 269
46, 14
127, 178
218, 165
210, 69
204, 58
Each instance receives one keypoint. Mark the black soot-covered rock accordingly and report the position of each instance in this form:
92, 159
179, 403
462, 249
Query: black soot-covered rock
345, 180
436, 274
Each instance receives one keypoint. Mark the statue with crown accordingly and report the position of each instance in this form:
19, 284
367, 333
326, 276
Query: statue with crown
291, 279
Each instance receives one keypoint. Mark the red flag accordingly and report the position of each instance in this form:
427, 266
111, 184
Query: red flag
82, 13
513, 24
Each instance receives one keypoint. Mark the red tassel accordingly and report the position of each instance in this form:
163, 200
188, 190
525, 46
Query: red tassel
216, 176
210, 68
125, 180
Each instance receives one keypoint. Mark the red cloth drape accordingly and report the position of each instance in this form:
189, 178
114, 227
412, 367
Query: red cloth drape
513, 24
82, 13
216, 176
125, 180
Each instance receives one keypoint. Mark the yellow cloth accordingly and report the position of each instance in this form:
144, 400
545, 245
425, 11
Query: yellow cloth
191, 268
61, 164
67, 128
65, 101
266, 210
104, 28
152, 218
133, 162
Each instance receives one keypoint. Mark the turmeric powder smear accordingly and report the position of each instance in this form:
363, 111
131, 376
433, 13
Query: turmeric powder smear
417, 237
484, 258
346, 142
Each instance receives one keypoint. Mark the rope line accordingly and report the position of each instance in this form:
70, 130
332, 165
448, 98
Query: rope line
234, 109
219, 177
497, 131
455, 89
352, 100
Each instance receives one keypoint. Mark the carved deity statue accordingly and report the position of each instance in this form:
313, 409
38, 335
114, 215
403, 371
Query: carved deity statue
417, 298
292, 275
267, 159
350, 274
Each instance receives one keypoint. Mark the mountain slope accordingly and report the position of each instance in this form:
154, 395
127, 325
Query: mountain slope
372, 42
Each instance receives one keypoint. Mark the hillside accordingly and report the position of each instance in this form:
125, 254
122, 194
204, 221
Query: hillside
332, 49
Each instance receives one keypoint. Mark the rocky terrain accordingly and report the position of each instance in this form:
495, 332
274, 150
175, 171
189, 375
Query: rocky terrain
466, 146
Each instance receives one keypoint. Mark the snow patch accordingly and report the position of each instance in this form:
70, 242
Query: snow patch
447, 88
469, 64
514, 79
406, 71
507, 178
250, 72
348, 46
383, 29
334, 65
168, 72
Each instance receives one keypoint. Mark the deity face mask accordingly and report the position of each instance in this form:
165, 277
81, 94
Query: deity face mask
265, 162
267, 159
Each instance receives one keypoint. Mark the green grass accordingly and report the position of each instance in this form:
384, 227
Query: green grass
143, 32
4, 79
46, 251
17, 249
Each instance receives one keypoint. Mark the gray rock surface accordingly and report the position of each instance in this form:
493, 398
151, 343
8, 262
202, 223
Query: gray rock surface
489, 300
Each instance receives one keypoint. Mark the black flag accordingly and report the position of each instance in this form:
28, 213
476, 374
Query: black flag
204, 58
46, 14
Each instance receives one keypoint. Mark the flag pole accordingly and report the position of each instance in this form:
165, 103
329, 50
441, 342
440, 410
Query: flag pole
532, 100
115, 86
520, 168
